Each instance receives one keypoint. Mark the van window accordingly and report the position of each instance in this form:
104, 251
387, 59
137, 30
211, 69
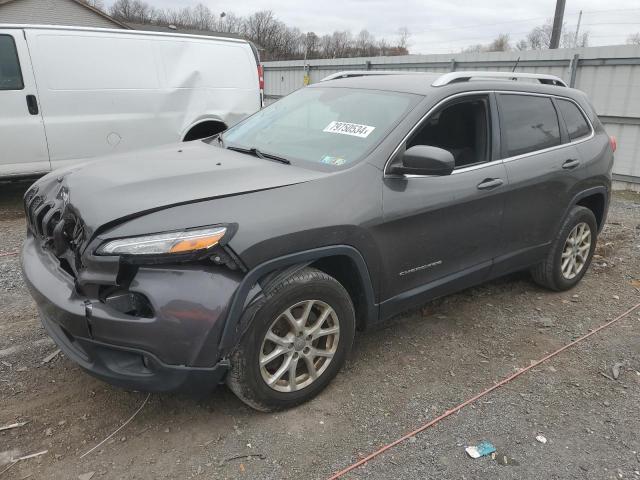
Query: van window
462, 128
527, 123
577, 125
10, 74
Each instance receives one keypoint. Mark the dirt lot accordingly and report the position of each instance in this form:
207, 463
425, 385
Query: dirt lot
399, 376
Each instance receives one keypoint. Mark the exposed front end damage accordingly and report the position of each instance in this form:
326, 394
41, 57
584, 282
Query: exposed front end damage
153, 327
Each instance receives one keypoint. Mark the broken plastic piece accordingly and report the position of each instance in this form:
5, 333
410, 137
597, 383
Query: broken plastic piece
480, 450
541, 439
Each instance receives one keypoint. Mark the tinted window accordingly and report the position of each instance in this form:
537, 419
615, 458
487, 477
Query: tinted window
576, 123
461, 128
528, 123
10, 75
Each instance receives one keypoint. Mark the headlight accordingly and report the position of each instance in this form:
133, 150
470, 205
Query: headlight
185, 241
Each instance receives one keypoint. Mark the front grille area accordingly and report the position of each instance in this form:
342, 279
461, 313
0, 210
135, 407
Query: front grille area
51, 222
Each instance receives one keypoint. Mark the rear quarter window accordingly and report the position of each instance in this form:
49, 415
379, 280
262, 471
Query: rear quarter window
10, 74
577, 125
528, 123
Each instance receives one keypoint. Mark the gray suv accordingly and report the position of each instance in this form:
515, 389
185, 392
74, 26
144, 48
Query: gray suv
252, 257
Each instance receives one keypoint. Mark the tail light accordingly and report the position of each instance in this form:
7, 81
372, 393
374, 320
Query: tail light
613, 142
261, 84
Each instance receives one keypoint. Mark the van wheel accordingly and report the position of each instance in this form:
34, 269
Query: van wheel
571, 252
297, 343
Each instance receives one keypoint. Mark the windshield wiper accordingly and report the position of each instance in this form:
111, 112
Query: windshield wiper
254, 151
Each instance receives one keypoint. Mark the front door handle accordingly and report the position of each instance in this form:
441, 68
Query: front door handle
571, 164
490, 183
32, 104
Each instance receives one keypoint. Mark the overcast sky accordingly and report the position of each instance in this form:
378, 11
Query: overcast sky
439, 26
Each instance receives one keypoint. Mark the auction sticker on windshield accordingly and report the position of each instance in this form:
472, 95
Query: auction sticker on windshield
345, 128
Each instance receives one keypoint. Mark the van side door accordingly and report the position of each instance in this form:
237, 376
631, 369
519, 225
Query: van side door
23, 144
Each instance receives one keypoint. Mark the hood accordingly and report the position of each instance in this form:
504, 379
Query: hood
125, 186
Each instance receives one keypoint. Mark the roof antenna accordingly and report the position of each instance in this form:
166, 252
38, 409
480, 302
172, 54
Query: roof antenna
516, 65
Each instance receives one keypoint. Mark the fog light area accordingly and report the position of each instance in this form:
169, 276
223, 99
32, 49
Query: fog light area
130, 303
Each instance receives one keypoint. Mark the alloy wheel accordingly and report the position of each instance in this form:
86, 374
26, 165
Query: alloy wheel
576, 251
299, 345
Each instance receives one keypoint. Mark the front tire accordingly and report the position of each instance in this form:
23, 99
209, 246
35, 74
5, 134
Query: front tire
571, 252
298, 341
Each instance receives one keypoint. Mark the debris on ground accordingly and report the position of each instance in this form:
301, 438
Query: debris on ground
546, 323
86, 476
119, 428
481, 450
27, 457
51, 356
615, 370
503, 459
261, 456
608, 376
541, 439
13, 425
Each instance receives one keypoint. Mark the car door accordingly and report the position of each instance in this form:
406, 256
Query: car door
23, 146
542, 168
440, 233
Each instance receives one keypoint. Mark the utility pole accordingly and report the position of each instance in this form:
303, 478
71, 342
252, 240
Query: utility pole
575, 39
557, 24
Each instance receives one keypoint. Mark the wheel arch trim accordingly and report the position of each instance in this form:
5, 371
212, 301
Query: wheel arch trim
602, 190
200, 120
230, 335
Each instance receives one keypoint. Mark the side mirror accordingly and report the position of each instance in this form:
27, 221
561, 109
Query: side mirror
424, 160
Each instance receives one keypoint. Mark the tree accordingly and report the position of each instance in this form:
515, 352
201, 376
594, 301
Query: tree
135, 11
311, 45
539, 38
276, 40
500, 44
634, 39
98, 4
403, 38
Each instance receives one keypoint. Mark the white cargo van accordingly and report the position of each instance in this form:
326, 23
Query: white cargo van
69, 93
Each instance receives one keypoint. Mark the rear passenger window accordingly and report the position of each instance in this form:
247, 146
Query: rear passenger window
577, 125
528, 123
10, 75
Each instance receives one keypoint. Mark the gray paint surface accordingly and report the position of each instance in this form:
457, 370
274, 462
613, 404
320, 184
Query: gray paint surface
609, 75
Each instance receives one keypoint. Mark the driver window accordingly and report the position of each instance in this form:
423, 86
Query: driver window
461, 127
10, 75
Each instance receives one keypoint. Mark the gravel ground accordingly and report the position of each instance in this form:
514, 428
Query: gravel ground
400, 375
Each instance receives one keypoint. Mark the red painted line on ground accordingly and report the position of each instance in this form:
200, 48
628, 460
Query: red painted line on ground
8, 254
456, 409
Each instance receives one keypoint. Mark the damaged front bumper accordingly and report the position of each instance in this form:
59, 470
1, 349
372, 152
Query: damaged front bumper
174, 347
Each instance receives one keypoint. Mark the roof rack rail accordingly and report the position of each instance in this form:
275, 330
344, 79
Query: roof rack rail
462, 76
362, 73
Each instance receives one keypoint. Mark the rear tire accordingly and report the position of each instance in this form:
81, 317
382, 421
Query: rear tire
298, 341
571, 252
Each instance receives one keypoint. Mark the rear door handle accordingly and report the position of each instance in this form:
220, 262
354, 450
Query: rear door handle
571, 164
489, 183
32, 104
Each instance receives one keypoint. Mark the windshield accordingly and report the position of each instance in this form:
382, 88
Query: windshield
331, 126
